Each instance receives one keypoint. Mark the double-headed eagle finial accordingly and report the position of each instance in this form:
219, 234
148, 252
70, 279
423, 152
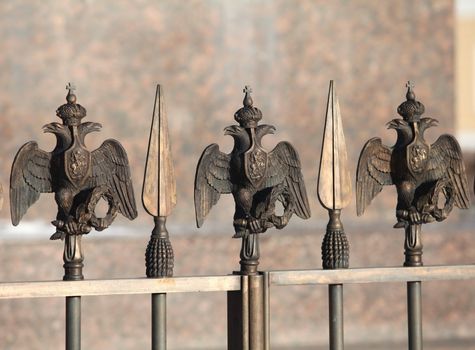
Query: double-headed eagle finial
79, 179
421, 172
256, 178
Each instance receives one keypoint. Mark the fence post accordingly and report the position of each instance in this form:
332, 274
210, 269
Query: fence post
266, 310
413, 253
247, 317
73, 264
238, 317
73, 323
256, 312
159, 321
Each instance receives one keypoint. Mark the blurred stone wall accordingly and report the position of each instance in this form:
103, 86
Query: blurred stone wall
204, 52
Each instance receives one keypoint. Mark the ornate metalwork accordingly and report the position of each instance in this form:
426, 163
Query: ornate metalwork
334, 185
256, 178
159, 192
422, 173
334, 193
78, 178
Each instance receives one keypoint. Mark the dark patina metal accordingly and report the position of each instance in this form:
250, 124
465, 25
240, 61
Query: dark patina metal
422, 173
159, 252
256, 178
79, 179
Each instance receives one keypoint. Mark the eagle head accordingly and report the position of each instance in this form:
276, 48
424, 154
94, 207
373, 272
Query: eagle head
242, 140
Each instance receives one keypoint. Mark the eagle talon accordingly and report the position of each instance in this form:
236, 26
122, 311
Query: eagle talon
428, 218
255, 226
279, 221
401, 224
239, 228
58, 235
415, 217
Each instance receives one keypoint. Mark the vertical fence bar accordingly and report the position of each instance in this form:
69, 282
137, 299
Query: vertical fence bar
413, 257
73, 323
245, 312
335, 293
73, 265
238, 317
414, 315
335, 255
159, 321
256, 312
266, 311
159, 263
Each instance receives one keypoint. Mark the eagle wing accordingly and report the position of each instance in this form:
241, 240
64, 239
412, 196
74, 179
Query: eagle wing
446, 161
30, 177
284, 165
110, 167
212, 179
374, 171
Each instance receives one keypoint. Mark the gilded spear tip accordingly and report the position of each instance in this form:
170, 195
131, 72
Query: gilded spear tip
334, 181
159, 188
334, 186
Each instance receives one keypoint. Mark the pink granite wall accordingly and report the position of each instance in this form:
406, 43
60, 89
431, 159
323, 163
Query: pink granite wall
204, 52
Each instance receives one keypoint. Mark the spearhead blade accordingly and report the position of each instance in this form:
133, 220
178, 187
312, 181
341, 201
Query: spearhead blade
334, 181
159, 187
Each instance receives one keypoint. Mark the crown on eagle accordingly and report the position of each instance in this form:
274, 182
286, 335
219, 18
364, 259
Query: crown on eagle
71, 112
248, 116
411, 110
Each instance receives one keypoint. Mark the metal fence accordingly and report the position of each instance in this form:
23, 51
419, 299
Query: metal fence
249, 313
257, 179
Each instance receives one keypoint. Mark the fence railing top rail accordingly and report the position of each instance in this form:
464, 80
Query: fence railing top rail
15, 290
143, 285
373, 275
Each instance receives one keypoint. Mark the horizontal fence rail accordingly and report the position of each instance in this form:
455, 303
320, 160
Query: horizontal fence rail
248, 297
15, 290
373, 275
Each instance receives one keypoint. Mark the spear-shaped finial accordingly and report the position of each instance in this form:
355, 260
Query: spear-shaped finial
334, 193
159, 191
334, 185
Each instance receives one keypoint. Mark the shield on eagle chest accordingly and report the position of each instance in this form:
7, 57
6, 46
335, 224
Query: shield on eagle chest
77, 162
417, 155
255, 164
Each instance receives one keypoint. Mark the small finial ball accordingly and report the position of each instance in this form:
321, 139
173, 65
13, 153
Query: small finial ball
71, 98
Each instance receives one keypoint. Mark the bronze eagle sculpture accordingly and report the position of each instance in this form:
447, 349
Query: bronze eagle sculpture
421, 172
256, 178
78, 178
